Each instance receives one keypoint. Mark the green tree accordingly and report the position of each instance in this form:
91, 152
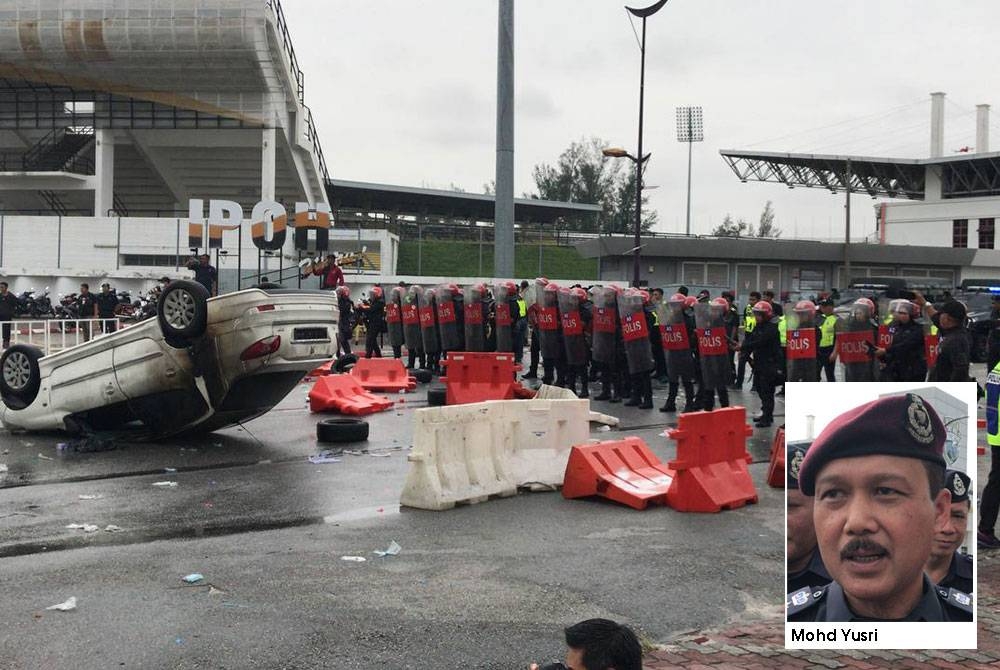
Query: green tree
583, 174
730, 228
766, 227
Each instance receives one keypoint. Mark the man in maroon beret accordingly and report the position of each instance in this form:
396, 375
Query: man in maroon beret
876, 473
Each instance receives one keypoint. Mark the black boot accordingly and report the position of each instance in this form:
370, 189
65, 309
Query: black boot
671, 404
647, 393
584, 384
635, 391
605, 393
723, 396
707, 399
690, 399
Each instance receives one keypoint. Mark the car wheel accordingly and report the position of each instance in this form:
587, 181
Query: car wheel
437, 396
182, 311
342, 430
422, 376
19, 375
345, 363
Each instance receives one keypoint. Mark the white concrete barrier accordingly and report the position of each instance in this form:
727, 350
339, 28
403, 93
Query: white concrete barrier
468, 453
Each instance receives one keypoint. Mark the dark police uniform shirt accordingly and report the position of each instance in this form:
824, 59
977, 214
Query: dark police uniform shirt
959, 574
205, 275
85, 305
828, 603
106, 303
811, 577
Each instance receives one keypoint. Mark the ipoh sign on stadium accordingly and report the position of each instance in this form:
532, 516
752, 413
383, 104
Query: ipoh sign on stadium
269, 224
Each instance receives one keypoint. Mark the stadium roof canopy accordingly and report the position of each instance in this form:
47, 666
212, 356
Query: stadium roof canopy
962, 176
407, 200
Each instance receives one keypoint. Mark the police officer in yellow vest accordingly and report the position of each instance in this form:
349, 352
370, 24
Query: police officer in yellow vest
749, 322
519, 325
827, 322
990, 500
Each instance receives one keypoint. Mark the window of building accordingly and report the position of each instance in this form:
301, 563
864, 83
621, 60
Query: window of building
960, 233
156, 260
986, 230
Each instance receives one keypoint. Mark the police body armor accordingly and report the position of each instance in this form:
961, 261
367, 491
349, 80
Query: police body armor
801, 344
604, 324
503, 319
676, 340
447, 319
429, 329
713, 346
475, 326
856, 345
635, 332
572, 328
410, 315
550, 343
394, 316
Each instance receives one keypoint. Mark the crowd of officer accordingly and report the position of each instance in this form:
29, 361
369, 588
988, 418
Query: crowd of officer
875, 521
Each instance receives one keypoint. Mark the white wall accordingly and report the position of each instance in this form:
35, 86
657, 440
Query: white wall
930, 223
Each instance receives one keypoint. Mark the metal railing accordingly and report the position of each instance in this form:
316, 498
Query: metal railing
54, 335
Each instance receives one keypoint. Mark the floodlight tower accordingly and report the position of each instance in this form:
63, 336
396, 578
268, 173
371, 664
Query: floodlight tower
690, 130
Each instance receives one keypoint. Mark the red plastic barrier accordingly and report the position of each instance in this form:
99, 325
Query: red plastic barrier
323, 370
981, 424
478, 376
711, 464
776, 470
523, 392
383, 374
625, 471
342, 393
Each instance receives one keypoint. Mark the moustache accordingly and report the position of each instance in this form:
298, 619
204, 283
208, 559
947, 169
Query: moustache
861, 545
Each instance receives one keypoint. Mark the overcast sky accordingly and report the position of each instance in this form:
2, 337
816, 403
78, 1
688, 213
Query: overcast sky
405, 92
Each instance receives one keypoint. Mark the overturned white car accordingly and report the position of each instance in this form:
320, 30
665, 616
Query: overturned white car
202, 364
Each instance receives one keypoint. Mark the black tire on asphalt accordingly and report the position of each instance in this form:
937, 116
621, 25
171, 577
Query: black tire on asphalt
422, 376
19, 375
437, 396
342, 430
342, 363
182, 312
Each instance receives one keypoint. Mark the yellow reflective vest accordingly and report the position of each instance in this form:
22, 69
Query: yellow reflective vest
749, 321
522, 307
783, 330
993, 407
827, 330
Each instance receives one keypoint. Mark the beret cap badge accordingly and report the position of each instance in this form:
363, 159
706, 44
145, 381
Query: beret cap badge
918, 423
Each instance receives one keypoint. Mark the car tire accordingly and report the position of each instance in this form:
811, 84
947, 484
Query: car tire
422, 376
182, 311
19, 375
342, 430
437, 396
345, 363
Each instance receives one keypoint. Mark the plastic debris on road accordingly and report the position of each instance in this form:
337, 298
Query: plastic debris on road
392, 550
354, 559
166, 485
193, 578
45, 458
70, 604
85, 527
112, 528
170, 469
325, 456
90, 496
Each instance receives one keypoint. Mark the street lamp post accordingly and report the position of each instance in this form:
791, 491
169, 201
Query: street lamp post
642, 13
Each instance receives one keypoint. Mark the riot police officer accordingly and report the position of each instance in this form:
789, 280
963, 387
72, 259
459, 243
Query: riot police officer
764, 346
903, 360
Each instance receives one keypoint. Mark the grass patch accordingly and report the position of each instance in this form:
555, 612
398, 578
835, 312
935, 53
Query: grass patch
462, 259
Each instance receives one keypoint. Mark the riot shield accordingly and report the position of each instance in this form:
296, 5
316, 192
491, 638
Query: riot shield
447, 321
856, 344
502, 319
802, 342
429, 331
676, 341
635, 332
394, 316
713, 345
886, 325
410, 315
605, 323
932, 341
572, 328
475, 324
548, 321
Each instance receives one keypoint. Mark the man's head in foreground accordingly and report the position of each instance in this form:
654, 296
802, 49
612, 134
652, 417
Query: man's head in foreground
601, 644
877, 476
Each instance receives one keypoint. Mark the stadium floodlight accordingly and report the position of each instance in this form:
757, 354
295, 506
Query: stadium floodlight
689, 129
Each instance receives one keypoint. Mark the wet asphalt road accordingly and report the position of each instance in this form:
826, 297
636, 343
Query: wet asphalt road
484, 586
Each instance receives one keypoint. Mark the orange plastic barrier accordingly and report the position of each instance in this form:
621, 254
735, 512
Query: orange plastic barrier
383, 374
342, 393
981, 424
776, 470
711, 466
322, 370
625, 471
478, 376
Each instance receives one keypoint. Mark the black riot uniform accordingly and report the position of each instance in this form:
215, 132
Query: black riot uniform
374, 314
828, 603
811, 577
904, 357
764, 346
345, 322
952, 363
